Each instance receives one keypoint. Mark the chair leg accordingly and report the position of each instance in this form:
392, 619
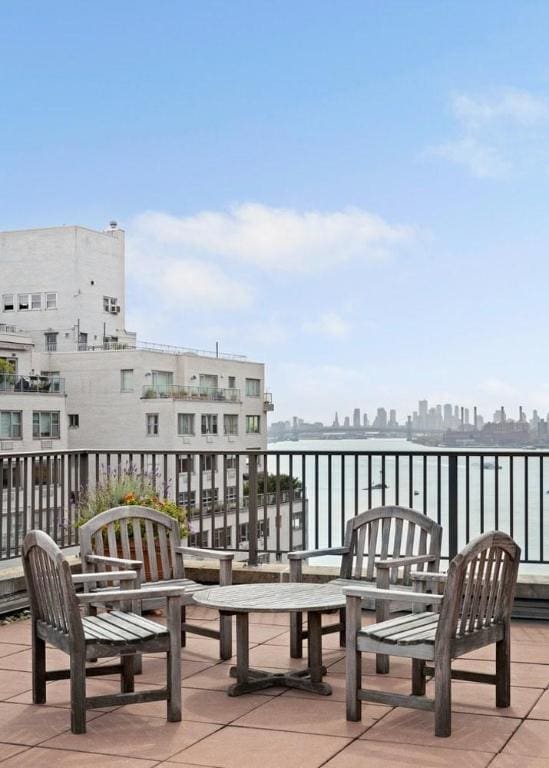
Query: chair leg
353, 659
503, 670
225, 637
127, 674
173, 665
443, 696
342, 632
418, 677
78, 690
183, 632
38, 670
296, 635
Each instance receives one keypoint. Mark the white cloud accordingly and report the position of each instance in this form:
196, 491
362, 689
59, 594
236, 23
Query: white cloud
274, 239
329, 324
495, 133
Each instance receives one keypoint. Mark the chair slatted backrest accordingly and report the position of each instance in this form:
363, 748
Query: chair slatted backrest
49, 585
480, 586
386, 533
135, 533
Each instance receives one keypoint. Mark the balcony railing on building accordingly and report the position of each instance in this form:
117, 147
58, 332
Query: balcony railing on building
131, 346
45, 385
183, 392
268, 404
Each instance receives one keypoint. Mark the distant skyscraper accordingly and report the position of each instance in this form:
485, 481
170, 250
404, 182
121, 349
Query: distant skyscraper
365, 420
393, 418
448, 416
336, 421
356, 417
380, 421
346, 422
423, 409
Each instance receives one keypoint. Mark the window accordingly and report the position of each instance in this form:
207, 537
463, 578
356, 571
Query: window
36, 301
51, 342
11, 362
23, 301
74, 420
209, 423
126, 380
51, 301
244, 531
185, 423
222, 537
185, 464
252, 387
208, 462
110, 304
183, 499
230, 423
162, 382
297, 521
152, 424
82, 341
232, 382
45, 424
207, 381
252, 425
231, 461
8, 304
10, 424
198, 539
230, 494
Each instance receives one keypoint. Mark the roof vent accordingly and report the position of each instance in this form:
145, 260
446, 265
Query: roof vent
113, 224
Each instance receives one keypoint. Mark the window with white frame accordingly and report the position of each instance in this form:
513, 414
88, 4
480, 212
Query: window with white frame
244, 531
45, 424
222, 537
23, 301
185, 500
185, 423
231, 382
209, 497
208, 462
152, 424
36, 301
230, 495
231, 461
11, 424
110, 304
209, 423
8, 303
51, 300
74, 420
230, 423
198, 539
185, 464
253, 425
126, 380
51, 342
253, 387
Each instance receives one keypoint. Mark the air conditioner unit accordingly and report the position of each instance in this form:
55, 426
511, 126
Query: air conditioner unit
113, 310
117, 310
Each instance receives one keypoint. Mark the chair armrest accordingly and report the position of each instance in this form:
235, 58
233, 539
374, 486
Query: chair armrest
398, 562
205, 554
86, 578
306, 553
119, 561
392, 594
437, 578
117, 596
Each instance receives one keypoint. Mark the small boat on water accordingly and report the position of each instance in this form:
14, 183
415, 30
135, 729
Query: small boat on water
490, 465
376, 487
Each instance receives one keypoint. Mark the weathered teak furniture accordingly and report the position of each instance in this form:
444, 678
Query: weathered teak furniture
475, 611
381, 546
56, 619
147, 540
244, 599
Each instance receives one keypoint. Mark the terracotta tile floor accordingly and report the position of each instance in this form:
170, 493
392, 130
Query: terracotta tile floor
276, 728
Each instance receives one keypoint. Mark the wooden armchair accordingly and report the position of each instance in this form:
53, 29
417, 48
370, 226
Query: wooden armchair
475, 610
149, 541
381, 546
56, 619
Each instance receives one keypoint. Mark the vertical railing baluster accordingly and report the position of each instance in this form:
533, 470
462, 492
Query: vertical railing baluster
526, 516
511, 496
397, 480
252, 508
330, 500
317, 526
452, 505
541, 525
342, 511
278, 520
467, 501
424, 483
496, 493
482, 494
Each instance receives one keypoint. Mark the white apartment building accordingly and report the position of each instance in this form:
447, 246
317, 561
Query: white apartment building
73, 377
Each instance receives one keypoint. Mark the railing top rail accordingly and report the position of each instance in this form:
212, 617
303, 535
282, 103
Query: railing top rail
123, 346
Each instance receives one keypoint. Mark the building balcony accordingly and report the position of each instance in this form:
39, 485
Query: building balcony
183, 392
45, 385
268, 404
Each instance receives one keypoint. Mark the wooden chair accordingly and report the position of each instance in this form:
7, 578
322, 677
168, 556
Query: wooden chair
381, 546
475, 610
56, 619
149, 541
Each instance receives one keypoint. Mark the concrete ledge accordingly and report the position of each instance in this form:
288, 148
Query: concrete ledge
531, 599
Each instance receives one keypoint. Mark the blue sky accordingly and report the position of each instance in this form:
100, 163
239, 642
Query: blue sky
355, 193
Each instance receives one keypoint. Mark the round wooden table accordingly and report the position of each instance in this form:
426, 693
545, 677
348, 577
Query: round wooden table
243, 599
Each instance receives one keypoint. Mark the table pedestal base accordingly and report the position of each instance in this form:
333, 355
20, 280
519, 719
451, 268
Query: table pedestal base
258, 679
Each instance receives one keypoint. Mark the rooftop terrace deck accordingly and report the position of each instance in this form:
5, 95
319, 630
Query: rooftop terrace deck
277, 727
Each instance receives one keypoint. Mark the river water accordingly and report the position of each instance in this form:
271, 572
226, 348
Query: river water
489, 491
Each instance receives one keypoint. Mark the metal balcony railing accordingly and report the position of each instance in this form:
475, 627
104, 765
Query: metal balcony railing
268, 404
183, 392
123, 346
44, 385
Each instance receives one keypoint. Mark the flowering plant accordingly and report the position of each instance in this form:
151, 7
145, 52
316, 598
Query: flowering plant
128, 487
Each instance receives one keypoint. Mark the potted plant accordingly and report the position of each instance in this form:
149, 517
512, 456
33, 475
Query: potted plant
129, 488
